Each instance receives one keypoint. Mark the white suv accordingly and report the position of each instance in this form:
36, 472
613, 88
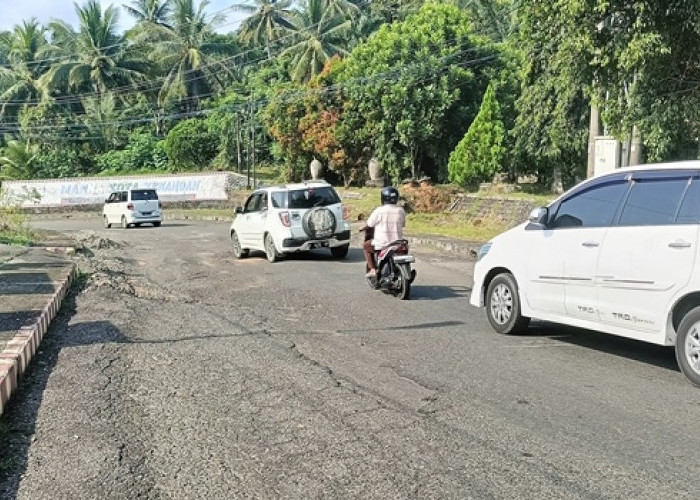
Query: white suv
291, 218
132, 207
618, 254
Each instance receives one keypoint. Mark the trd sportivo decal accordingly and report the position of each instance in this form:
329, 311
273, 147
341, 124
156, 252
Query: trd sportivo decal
631, 318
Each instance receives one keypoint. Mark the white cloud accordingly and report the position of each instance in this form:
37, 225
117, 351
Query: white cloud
13, 12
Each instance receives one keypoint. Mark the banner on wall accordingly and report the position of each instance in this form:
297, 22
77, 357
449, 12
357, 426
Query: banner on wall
209, 186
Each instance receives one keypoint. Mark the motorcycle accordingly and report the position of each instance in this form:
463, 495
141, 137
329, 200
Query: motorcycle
393, 263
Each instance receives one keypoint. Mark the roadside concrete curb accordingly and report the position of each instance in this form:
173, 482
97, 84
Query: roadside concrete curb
15, 357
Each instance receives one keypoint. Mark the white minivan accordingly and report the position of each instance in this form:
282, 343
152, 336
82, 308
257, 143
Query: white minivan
132, 207
618, 253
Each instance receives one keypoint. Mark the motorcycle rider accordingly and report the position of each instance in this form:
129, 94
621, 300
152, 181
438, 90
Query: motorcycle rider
388, 221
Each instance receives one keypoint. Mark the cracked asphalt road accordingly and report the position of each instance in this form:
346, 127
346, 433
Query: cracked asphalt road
176, 371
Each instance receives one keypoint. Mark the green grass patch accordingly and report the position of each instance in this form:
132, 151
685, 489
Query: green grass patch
13, 227
452, 225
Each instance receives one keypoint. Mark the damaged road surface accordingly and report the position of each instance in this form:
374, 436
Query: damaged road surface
176, 371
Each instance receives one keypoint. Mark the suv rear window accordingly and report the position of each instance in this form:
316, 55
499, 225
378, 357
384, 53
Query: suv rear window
143, 194
313, 197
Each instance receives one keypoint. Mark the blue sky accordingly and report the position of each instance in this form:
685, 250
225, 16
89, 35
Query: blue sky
15, 11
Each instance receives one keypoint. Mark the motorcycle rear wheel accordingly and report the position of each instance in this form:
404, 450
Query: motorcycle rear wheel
403, 282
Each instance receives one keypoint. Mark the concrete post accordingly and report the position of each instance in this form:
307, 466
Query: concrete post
636, 147
593, 132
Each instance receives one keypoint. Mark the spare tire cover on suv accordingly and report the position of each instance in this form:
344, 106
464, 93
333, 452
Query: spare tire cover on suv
319, 223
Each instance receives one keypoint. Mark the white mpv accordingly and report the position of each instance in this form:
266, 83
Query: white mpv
618, 253
132, 207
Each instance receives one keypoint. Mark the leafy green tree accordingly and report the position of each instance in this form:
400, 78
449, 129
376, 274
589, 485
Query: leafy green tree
480, 154
551, 130
267, 21
143, 152
401, 84
95, 58
634, 60
282, 116
321, 35
645, 67
191, 144
61, 161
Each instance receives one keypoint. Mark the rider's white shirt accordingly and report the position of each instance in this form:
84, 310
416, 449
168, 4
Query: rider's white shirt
388, 222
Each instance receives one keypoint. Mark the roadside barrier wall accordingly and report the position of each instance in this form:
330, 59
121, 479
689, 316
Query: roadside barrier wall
91, 191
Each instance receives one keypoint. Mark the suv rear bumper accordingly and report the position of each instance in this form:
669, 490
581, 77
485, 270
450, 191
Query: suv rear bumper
303, 244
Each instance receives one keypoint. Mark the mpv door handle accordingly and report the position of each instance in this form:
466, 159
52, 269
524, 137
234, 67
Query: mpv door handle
590, 244
679, 244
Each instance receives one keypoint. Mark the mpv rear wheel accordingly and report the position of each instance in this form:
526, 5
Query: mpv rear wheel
106, 222
688, 346
503, 305
124, 223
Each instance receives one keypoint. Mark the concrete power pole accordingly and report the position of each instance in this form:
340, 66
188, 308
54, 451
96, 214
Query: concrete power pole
593, 132
635, 154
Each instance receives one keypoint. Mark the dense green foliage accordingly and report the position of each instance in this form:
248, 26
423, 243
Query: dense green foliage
191, 144
343, 81
143, 152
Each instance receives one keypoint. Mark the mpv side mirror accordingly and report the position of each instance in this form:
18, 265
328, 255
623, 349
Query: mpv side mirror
539, 216
238, 210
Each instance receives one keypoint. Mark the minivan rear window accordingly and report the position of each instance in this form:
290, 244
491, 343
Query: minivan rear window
143, 194
313, 197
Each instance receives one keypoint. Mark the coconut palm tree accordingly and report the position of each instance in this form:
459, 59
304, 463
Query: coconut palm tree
95, 58
320, 37
268, 20
23, 66
187, 51
150, 11
344, 8
17, 160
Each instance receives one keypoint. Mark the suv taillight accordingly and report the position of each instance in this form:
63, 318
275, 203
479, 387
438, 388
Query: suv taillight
284, 218
160, 205
345, 212
130, 206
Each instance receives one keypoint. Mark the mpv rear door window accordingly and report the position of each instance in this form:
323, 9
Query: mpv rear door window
143, 194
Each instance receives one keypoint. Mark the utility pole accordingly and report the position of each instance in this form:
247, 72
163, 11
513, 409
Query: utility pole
593, 132
247, 157
635, 151
252, 141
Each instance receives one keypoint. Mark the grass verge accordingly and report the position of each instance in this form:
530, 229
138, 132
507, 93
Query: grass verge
13, 227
